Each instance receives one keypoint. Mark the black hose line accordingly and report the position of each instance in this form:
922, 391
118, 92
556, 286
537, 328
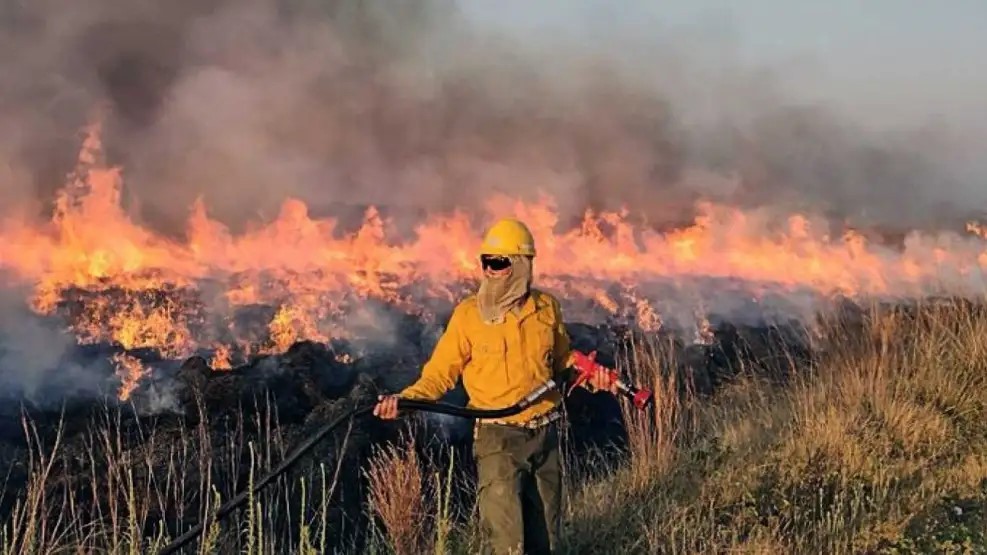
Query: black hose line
326, 429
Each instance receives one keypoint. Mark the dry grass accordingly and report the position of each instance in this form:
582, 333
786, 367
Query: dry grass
654, 434
123, 494
397, 496
875, 445
414, 499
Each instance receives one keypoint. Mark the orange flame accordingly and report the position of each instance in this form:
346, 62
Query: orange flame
306, 267
222, 358
130, 370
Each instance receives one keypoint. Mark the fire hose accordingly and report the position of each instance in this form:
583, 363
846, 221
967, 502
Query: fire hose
323, 431
585, 365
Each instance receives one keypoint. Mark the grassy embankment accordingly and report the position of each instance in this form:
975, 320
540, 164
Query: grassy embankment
876, 445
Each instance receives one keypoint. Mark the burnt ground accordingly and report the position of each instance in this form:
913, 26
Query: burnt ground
208, 418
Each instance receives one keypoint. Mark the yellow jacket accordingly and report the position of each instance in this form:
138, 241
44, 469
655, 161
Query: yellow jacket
499, 363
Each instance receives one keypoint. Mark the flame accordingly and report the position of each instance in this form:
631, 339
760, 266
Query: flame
130, 370
290, 325
126, 285
648, 319
222, 359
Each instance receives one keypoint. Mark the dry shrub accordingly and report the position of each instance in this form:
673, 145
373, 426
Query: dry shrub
654, 433
397, 496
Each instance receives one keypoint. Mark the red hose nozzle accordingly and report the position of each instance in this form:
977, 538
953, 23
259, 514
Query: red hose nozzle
586, 366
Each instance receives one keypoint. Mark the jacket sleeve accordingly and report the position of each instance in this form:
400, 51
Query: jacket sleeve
440, 373
563, 347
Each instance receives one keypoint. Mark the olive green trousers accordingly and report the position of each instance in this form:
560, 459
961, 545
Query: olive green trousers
519, 488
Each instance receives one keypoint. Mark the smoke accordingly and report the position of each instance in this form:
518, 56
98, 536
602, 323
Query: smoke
410, 105
37, 357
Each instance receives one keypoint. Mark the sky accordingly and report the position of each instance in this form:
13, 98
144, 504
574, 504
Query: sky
848, 54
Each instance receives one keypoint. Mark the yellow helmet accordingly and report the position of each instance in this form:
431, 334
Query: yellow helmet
507, 237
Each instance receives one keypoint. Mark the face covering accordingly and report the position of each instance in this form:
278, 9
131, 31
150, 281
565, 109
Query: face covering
498, 295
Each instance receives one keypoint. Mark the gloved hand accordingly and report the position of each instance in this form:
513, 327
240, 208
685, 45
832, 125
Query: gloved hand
603, 380
386, 407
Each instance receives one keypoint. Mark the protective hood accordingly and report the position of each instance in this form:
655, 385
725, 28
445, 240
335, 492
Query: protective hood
499, 295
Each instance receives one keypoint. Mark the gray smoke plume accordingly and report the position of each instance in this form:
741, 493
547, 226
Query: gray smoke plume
35, 356
407, 104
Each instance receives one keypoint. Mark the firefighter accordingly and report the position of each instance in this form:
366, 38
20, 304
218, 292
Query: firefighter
503, 342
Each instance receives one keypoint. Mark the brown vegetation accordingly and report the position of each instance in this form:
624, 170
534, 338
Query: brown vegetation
875, 445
